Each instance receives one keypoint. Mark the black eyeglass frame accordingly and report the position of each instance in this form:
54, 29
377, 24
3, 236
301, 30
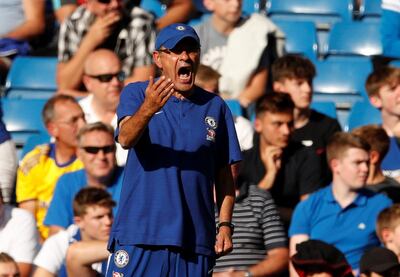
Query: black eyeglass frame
106, 78
95, 149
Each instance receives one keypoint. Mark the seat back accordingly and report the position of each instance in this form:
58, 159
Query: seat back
32, 77
354, 38
326, 107
301, 37
341, 80
363, 113
370, 10
321, 12
22, 117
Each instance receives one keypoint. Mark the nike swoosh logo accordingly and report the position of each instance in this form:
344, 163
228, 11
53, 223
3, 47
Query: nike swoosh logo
159, 112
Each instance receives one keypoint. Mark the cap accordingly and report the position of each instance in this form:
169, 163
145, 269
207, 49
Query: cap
174, 33
316, 255
378, 260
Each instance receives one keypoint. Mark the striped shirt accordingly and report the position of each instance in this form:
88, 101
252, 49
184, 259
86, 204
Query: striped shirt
258, 229
134, 43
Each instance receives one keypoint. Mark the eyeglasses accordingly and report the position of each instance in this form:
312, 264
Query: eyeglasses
104, 1
105, 78
94, 149
73, 120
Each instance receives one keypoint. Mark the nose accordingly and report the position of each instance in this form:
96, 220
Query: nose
108, 220
236, 3
115, 4
285, 129
306, 87
184, 55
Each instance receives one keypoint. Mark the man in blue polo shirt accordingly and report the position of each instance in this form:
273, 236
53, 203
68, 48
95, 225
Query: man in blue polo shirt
344, 213
181, 140
96, 150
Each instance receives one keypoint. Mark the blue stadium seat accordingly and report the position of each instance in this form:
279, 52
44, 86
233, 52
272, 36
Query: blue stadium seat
321, 11
363, 113
34, 140
301, 37
395, 63
370, 11
32, 77
154, 6
341, 80
354, 38
250, 6
234, 106
23, 117
327, 108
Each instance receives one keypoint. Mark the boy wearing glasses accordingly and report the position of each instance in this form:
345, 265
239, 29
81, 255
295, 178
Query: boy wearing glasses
181, 140
104, 80
96, 150
104, 24
40, 169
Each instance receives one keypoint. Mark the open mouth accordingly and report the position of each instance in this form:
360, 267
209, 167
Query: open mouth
185, 73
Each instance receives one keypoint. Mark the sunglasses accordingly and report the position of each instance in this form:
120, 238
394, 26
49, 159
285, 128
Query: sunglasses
94, 149
105, 78
104, 1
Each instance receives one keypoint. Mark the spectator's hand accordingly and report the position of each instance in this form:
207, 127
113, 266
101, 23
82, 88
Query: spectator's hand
102, 27
223, 243
158, 93
271, 157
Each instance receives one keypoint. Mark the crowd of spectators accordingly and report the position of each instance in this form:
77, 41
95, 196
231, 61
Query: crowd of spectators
309, 197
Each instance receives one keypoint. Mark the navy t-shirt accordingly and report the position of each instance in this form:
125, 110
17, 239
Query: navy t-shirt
167, 191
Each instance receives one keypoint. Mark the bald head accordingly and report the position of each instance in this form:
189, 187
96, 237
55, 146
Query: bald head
100, 60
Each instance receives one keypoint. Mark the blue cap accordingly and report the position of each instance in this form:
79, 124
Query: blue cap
174, 33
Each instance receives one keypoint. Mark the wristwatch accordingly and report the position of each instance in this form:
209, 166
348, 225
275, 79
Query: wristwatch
226, 223
248, 274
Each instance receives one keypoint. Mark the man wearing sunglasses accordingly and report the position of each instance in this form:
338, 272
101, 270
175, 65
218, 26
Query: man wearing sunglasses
104, 80
96, 150
181, 140
104, 24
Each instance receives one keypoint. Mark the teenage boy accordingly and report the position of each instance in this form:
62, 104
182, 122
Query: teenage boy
383, 88
388, 228
379, 142
93, 219
343, 213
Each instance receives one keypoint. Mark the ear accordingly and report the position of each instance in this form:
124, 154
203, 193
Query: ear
157, 59
87, 81
209, 5
52, 129
387, 235
257, 125
374, 157
376, 101
333, 164
78, 221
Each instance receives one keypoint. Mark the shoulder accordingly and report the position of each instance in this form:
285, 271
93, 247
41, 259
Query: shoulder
376, 198
322, 119
34, 157
141, 14
20, 215
72, 179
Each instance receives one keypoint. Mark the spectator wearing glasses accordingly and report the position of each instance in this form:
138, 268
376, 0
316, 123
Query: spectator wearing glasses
40, 169
104, 81
104, 24
181, 141
96, 149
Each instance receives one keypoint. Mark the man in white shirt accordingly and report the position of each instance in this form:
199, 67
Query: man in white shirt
104, 80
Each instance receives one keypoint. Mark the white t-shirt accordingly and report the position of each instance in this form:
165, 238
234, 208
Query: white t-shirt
244, 131
18, 234
54, 250
91, 117
52, 255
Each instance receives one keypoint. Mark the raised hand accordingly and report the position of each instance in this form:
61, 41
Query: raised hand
158, 93
102, 27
